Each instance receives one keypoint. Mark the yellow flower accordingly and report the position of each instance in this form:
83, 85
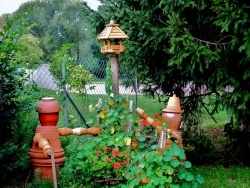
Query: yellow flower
111, 103
137, 121
103, 113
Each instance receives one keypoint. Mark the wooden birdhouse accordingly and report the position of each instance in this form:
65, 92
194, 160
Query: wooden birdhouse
112, 39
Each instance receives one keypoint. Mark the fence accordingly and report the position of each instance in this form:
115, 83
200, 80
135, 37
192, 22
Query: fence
75, 106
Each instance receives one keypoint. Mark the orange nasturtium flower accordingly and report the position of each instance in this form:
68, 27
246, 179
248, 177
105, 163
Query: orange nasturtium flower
168, 143
156, 115
145, 180
134, 144
97, 154
124, 104
105, 148
158, 122
117, 165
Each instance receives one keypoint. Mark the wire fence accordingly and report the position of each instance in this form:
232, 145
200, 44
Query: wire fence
75, 106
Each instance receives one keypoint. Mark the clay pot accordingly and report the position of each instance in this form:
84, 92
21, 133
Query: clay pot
48, 109
174, 105
38, 156
173, 120
48, 119
48, 105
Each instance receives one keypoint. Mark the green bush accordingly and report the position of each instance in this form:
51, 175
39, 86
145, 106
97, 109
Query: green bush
16, 101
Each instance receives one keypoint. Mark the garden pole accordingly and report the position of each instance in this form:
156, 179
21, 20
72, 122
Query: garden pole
115, 74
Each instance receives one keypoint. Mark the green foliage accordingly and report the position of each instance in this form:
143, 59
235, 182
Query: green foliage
16, 96
31, 52
237, 150
121, 155
75, 75
38, 182
100, 161
168, 168
199, 147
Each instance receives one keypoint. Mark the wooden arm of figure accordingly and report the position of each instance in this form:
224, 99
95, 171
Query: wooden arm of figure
43, 144
79, 131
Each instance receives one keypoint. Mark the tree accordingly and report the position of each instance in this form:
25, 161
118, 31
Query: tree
58, 22
31, 52
175, 44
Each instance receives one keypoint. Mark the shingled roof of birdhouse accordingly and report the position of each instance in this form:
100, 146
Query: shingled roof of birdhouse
112, 31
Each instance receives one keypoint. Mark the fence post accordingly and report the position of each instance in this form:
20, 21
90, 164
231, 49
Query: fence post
136, 90
65, 107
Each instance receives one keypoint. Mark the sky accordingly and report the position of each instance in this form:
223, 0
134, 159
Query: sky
9, 6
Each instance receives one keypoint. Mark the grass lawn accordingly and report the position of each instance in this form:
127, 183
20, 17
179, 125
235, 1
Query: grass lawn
220, 177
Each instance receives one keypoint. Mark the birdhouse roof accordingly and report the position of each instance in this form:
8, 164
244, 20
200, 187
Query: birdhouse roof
112, 31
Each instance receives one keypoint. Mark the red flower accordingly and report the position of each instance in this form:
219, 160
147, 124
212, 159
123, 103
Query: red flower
156, 115
117, 165
124, 162
144, 122
108, 159
115, 152
97, 154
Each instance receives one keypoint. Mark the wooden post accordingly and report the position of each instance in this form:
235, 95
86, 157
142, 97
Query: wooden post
115, 73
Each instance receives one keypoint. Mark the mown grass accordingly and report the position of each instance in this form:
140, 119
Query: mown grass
220, 177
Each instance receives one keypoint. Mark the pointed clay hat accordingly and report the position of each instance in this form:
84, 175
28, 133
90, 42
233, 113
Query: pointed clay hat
174, 105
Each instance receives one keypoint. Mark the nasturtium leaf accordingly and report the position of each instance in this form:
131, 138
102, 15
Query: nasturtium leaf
153, 147
169, 179
128, 134
121, 116
110, 141
199, 179
186, 185
176, 151
174, 186
169, 170
167, 157
141, 138
182, 173
159, 172
174, 163
189, 176
141, 145
187, 164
